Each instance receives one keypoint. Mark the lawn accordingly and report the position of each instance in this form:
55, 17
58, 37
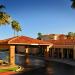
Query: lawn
8, 69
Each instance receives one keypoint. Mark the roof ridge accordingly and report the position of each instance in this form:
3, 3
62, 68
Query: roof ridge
13, 39
27, 40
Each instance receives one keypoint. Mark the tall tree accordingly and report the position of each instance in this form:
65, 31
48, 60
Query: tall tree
73, 4
4, 17
2, 7
39, 36
16, 27
70, 34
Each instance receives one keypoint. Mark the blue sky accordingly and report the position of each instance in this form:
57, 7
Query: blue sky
45, 16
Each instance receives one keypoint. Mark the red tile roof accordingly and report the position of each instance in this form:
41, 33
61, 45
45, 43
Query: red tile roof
63, 42
24, 40
27, 40
5, 41
30, 41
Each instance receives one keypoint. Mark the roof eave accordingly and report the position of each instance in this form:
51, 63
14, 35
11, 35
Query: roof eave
27, 44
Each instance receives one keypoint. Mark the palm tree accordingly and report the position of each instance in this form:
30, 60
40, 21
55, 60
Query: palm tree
2, 7
18, 29
16, 26
39, 36
4, 17
73, 4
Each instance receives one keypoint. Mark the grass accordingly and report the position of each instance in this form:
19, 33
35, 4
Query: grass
8, 69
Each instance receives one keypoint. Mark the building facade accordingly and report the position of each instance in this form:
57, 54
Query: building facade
60, 48
63, 47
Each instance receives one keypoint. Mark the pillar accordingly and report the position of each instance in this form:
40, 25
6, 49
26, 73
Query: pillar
50, 52
53, 49
12, 55
27, 52
42, 51
74, 53
46, 52
62, 55
67, 53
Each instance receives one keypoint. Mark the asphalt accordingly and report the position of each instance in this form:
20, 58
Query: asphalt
65, 61
33, 71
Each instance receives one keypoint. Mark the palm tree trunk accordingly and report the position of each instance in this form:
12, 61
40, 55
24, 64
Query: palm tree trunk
14, 33
17, 33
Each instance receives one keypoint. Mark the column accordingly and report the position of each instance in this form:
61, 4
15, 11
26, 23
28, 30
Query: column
58, 53
42, 51
47, 51
52, 52
67, 53
48, 48
12, 55
62, 55
27, 52
74, 53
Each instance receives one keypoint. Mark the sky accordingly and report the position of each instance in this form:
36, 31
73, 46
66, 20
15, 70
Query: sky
45, 16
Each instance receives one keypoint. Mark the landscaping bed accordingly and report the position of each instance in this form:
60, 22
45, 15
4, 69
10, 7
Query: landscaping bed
14, 69
8, 69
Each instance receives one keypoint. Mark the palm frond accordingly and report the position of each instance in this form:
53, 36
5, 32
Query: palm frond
2, 6
73, 4
4, 18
